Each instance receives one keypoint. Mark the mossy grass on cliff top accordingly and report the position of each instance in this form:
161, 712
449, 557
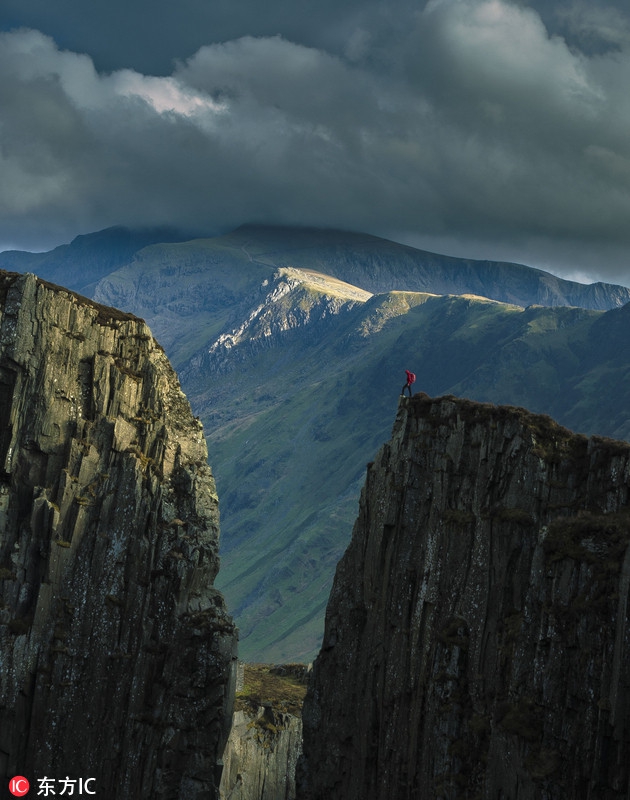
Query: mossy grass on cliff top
551, 440
474, 411
264, 685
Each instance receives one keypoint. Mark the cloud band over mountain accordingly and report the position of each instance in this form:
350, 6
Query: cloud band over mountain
471, 127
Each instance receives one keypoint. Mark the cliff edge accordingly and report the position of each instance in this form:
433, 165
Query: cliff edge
477, 642
116, 652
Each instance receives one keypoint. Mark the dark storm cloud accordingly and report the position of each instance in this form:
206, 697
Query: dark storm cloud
148, 35
593, 26
480, 132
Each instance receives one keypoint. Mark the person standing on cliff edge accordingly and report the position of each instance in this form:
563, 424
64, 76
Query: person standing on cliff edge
411, 378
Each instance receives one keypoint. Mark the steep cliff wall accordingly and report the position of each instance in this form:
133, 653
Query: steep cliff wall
116, 652
477, 641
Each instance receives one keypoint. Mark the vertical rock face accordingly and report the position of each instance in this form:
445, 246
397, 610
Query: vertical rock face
261, 756
116, 652
265, 742
477, 641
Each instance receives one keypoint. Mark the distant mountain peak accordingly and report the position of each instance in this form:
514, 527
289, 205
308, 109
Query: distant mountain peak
292, 298
379, 265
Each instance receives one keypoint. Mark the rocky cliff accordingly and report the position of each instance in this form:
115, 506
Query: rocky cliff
477, 642
265, 742
116, 652
261, 756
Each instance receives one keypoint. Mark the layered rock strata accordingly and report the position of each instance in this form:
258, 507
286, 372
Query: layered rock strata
116, 652
477, 642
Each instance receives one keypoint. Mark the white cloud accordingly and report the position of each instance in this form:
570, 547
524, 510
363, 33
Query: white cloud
163, 94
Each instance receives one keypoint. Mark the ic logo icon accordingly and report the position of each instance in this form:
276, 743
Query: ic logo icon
19, 786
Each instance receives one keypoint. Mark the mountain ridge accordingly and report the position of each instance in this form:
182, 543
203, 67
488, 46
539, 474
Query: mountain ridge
533, 286
100, 253
332, 252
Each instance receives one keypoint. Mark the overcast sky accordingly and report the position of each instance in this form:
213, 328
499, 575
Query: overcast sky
484, 128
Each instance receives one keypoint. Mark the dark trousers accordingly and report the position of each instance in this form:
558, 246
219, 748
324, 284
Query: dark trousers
406, 386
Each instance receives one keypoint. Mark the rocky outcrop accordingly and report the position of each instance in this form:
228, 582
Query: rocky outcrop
117, 654
265, 742
292, 300
261, 755
477, 642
